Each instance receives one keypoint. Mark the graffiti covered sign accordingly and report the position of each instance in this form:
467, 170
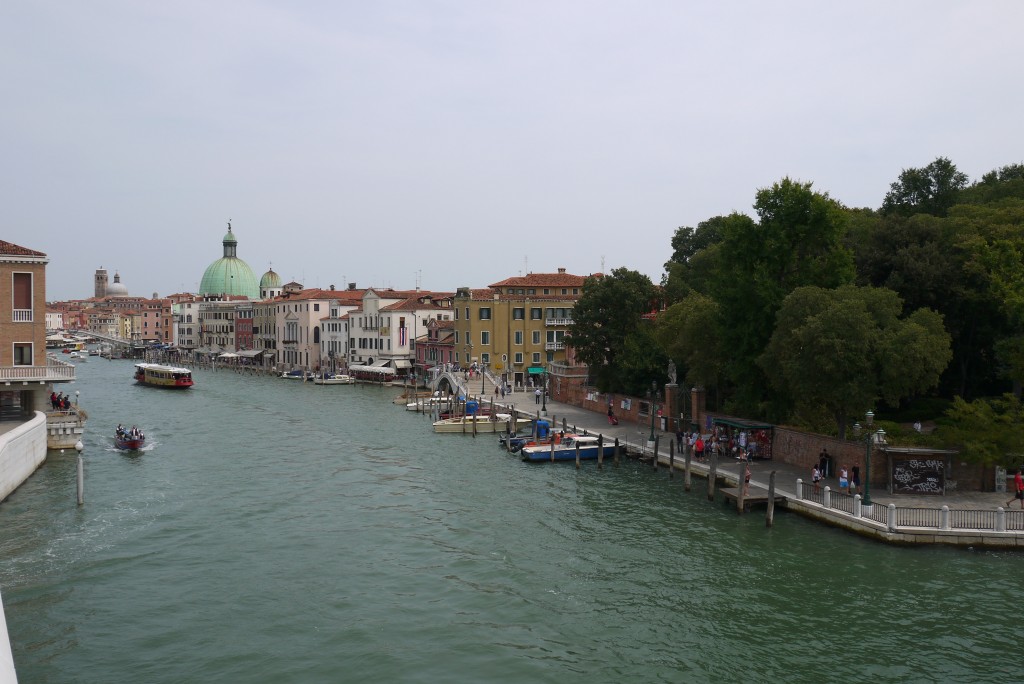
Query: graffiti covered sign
918, 476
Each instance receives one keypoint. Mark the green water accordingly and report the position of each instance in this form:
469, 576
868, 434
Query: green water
275, 531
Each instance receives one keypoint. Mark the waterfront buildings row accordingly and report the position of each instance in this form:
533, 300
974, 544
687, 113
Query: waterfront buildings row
515, 328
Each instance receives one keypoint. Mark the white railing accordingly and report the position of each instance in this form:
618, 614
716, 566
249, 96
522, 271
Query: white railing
53, 370
554, 346
558, 321
22, 316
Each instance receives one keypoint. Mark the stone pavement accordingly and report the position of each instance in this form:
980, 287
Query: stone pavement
636, 437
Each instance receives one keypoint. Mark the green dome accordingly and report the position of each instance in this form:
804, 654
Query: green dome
270, 280
229, 275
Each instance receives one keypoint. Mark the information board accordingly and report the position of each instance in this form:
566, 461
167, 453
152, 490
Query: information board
918, 476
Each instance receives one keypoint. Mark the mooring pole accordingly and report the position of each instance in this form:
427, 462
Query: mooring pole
769, 519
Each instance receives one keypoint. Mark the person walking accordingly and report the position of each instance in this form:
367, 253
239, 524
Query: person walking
844, 481
746, 480
536, 396
816, 478
1018, 486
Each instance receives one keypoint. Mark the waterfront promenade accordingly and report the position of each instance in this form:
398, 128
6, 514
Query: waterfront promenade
973, 518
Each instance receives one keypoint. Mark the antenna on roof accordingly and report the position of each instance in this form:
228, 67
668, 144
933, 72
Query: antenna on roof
602, 263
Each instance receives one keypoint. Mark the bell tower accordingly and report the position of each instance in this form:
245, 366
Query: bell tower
101, 283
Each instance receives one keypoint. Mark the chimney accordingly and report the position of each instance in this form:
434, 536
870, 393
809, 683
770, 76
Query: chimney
351, 286
561, 269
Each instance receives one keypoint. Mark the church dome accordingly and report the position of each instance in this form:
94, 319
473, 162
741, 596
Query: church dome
229, 275
117, 288
269, 280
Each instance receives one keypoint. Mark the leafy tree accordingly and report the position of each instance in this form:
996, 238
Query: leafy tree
995, 185
798, 242
845, 349
610, 309
694, 258
988, 431
641, 363
931, 190
686, 331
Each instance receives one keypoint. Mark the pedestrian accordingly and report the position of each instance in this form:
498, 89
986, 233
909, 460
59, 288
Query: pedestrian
746, 480
536, 396
816, 478
823, 459
1018, 486
698, 448
844, 481
855, 479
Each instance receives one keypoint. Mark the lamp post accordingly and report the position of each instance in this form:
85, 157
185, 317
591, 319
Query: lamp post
650, 408
870, 437
483, 377
544, 393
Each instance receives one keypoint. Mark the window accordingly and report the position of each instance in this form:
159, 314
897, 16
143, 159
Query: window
518, 357
565, 290
536, 358
518, 336
485, 358
22, 291
316, 307
485, 313
485, 337
456, 337
531, 291
22, 353
536, 313
547, 291
536, 336
518, 313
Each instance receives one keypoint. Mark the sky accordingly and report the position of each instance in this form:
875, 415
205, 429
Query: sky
447, 144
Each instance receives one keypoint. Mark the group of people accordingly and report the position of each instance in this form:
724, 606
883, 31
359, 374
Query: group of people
60, 401
737, 447
849, 478
132, 433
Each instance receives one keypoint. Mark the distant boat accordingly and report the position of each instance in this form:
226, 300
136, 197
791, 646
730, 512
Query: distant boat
334, 379
156, 375
477, 423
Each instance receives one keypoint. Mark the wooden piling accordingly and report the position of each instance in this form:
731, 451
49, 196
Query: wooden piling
688, 453
600, 451
577, 455
615, 457
552, 450
741, 487
712, 476
769, 518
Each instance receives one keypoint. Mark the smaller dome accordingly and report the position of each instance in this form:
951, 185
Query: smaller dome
117, 288
229, 236
270, 279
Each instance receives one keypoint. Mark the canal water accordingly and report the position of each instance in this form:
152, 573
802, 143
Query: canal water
275, 531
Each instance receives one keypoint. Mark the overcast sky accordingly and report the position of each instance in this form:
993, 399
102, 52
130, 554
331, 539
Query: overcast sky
458, 143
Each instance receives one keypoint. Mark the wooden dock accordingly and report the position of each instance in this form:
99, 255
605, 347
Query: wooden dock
756, 497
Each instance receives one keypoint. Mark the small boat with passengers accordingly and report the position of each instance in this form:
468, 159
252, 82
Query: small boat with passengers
129, 439
157, 375
564, 449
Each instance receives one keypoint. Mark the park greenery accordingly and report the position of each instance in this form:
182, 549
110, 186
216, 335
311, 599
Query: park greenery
809, 312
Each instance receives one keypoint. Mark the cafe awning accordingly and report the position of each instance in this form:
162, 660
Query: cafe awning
535, 370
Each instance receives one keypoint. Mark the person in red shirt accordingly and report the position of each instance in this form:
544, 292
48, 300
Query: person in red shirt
698, 448
1018, 485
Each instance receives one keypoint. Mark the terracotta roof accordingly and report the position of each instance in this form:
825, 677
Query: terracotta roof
11, 249
415, 304
544, 280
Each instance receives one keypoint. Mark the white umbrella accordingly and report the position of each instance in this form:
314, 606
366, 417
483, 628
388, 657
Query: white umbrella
228, 355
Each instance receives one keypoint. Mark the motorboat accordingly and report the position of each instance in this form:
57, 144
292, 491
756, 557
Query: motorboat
498, 422
130, 440
333, 379
565, 448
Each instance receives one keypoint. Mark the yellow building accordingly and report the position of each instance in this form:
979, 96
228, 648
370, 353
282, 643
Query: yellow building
517, 327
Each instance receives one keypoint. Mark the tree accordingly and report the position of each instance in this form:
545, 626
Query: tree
847, 348
610, 309
989, 431
931, 190
694, 258
798, 242
686, 331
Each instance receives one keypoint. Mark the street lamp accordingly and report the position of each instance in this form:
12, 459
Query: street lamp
652, 394
870, 437
483, 377
544, 393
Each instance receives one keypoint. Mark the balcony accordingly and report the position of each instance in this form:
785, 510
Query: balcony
53, 371
554, 346
22, 315
558, 321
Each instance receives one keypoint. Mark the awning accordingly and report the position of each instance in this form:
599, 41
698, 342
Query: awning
380, 363
250, 353
535, 370
743, 424
402, 363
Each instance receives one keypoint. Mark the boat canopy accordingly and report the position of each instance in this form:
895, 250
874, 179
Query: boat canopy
371, 369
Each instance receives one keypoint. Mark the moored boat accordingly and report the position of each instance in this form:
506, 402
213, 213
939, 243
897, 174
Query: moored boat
157, 375
334, 379
499, 422
565, 447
